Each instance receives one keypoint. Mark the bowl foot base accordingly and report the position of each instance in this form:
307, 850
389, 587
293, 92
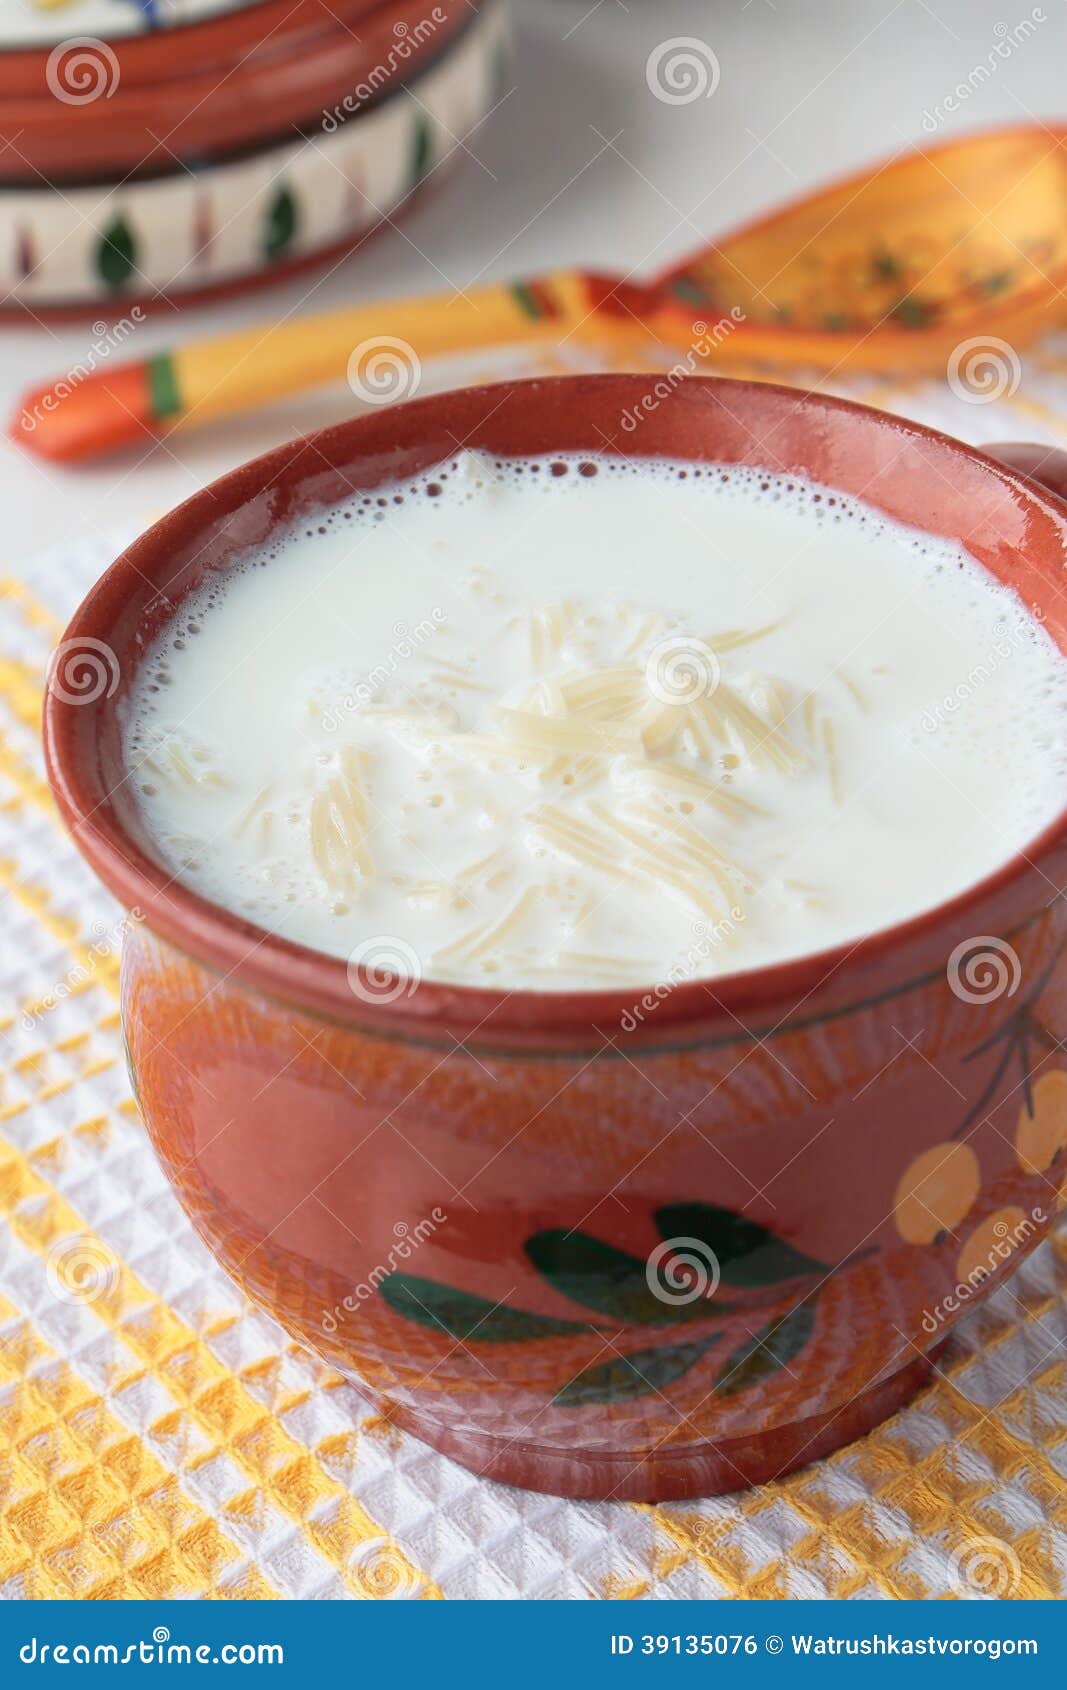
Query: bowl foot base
670, 1473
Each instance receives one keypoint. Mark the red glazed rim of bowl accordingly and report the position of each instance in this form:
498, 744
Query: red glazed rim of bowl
911, 473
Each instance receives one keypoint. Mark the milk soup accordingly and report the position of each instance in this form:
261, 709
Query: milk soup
561, 724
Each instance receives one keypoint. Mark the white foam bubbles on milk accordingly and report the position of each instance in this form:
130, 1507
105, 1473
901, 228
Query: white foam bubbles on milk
477, 513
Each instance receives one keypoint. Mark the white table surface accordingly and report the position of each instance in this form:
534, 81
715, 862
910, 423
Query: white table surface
581, 164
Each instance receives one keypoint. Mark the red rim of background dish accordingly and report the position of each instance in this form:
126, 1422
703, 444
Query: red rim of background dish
229, 85
910, 472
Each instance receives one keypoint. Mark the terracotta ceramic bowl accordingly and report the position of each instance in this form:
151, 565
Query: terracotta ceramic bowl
227, 149
480, 1206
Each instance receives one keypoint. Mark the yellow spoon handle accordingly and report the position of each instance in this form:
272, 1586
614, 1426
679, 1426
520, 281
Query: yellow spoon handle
373, 345
379, 347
